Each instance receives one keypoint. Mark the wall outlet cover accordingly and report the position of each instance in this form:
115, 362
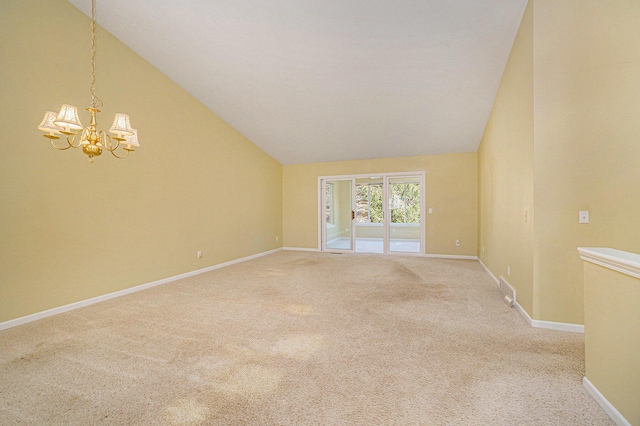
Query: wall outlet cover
583, 216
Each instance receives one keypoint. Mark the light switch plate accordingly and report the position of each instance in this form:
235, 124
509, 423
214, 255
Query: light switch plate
583, 216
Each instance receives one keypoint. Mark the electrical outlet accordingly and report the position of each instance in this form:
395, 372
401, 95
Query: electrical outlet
430, 211
277, 238
458, 243
483, 249
199, 254
583, 216
509, 270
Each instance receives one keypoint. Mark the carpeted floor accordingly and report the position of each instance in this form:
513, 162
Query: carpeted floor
299, 338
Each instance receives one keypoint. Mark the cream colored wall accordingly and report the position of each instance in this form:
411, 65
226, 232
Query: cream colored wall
586, 143
451, 191
70, 230
580, 106
505, 167
612, 340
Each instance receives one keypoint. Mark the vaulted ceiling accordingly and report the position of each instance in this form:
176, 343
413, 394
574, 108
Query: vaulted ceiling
311, 80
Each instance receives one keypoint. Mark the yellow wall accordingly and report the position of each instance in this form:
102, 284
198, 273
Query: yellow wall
70, 230
451, 191
586, 151
586, 144
612, 340
505, 167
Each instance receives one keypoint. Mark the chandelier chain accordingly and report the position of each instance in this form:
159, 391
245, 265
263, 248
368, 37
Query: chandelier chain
96, 102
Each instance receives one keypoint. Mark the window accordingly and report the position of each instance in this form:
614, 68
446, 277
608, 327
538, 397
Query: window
329, 203
369, 203
404, 202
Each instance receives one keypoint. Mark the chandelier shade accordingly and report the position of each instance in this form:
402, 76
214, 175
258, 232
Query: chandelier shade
47, 125
132, 140
68, 118
121, 126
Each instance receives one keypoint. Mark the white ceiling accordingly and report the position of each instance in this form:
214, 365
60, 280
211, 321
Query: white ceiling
312, 80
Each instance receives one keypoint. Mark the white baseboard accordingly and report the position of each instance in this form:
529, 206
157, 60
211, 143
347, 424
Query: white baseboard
524, 314
72, 306
493, 277
560, 326
606, 406
299, 249
550, 325
450, 256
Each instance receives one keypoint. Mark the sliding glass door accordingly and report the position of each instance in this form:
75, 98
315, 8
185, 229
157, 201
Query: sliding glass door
377, 213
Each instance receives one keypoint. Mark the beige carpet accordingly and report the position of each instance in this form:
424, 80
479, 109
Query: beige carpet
298, 339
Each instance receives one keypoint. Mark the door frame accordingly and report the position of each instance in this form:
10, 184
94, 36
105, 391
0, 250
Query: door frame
385, 206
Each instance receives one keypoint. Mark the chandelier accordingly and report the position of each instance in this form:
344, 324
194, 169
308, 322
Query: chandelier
92, 140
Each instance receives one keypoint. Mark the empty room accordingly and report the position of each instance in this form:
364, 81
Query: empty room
334, 213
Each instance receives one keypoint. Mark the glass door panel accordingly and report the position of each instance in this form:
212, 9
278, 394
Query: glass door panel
369, 215
339, 214
405, 230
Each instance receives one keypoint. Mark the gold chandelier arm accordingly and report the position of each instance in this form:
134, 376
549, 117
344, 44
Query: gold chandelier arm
107, 141
53, 144
70, 142
82, 134
120, 156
